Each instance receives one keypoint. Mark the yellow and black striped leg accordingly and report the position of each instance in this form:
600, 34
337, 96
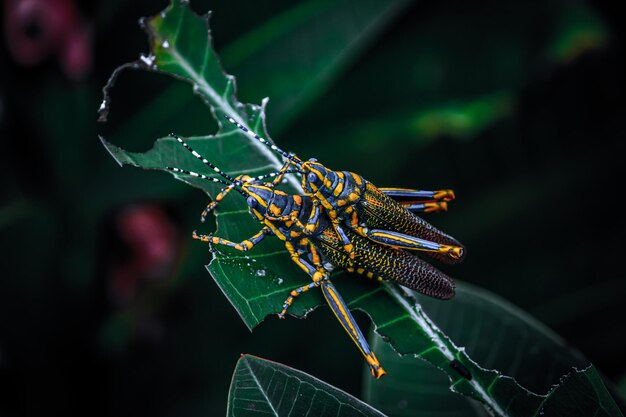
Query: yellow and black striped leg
424, 206
409, 194
306, 229
342, 312
295, 293
400, 240
243, 246
420, 201
223, 193
317, 274
279, 178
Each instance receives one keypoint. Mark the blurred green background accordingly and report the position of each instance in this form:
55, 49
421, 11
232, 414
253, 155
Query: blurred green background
105, 305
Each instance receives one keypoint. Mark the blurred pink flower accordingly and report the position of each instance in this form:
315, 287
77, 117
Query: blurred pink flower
37, 29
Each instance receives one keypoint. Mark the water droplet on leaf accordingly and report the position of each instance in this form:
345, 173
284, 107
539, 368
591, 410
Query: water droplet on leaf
148, 60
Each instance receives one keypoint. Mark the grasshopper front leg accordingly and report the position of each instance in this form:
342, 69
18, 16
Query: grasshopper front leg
243, 246
314, 270
213, 204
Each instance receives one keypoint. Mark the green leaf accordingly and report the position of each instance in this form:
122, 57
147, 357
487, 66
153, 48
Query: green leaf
264, 387
581, 393
494, 333
258, 282
269, 58
181, 46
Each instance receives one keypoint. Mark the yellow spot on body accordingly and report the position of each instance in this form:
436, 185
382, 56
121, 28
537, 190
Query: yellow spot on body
360, 271
370, 274
275, 210
338, 189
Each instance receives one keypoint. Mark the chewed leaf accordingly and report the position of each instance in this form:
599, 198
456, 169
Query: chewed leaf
258, 281
580, 393
181, 46
494, 332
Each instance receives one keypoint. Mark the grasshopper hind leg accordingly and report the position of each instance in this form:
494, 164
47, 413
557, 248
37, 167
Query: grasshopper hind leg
404, 241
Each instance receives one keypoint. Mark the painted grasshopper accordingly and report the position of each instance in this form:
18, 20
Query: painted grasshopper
314, 245
384, 215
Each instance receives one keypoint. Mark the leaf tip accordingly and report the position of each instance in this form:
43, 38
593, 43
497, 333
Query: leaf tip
111, 149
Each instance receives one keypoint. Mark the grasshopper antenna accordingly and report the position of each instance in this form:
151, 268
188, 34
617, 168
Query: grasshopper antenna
274, 174
296, 161
204, 160
204, 177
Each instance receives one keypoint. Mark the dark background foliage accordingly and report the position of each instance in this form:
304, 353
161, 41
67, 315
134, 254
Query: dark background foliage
105, 306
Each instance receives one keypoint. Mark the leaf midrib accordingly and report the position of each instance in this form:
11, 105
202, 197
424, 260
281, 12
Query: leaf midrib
258, 383
225, 105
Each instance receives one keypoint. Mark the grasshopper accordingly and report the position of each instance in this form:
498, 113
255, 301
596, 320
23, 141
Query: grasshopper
314, 245
384, 215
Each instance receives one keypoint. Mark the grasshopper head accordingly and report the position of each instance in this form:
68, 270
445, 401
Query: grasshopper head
264, 201
317, 178
259, 199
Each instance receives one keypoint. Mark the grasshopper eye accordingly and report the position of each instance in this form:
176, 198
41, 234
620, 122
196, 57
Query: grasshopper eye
311, 177
251, 201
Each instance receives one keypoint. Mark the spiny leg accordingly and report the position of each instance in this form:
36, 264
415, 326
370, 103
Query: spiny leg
243, 246
342, 312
